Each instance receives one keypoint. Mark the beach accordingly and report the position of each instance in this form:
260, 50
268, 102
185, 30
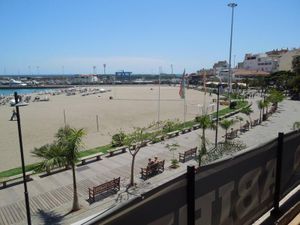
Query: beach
131, 106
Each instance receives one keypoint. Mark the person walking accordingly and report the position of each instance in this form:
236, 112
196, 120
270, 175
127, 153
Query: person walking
14, 115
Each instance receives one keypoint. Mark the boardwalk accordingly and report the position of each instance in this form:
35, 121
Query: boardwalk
51, 196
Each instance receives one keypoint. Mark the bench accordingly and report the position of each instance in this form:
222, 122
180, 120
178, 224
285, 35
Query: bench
245, 128
173, 134
233, 134
97, 156
186, 130
121, 149
5, 180
189, 154
153, 169
113, 185
196, 126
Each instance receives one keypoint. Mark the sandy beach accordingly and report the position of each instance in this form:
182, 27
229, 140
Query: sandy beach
131, 106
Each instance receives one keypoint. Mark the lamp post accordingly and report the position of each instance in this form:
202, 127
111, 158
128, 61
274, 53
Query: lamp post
217, 121
17, 105
232, 5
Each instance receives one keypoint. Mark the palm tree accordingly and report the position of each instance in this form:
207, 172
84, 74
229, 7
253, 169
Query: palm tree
260, 105
63, 152
296, 126
70, 140
51, 155
247, 111
205, 123
240, 119
226, 124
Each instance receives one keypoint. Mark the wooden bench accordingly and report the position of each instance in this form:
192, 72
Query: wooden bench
245, 128
196, 126
153, 169
173, 134
113, 185
189, 154
97, 156
5, 180
121, 149
186, 130
233, 134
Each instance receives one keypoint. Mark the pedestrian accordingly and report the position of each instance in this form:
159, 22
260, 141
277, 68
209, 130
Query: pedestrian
14, 115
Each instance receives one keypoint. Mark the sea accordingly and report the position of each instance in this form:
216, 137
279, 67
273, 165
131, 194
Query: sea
7, 92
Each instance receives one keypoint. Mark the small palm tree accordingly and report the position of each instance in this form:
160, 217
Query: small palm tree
296, 125
70, 140
63, 152
205, 123
240, 119
247, 111
266, 105
51, 155
172, 148
226, 124
260, 105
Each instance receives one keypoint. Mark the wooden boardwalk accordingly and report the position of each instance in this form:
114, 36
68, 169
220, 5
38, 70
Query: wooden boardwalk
52, 192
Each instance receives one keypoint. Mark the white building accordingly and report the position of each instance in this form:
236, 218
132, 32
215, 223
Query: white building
260, 62
85, 79
220, 66
285, 61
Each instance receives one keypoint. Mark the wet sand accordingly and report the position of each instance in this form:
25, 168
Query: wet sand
131, 106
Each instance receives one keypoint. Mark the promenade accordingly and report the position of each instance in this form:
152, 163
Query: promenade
51, 196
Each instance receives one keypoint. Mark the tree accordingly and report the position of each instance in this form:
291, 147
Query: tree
296, 125
135, 141
260, 105
247, 111
226, 124
240, 119
205, 123
275, 97
173, 147
296, 64
63, 151
70, 140
52, 156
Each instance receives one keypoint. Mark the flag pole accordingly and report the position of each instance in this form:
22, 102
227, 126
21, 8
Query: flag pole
184, 99
182, 95
204, 110
158, 102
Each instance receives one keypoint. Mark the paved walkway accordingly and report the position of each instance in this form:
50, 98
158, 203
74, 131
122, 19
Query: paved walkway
51, 196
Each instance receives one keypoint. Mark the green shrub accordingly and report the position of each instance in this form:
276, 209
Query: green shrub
118, 139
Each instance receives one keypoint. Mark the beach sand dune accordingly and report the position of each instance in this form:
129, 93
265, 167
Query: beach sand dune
130, 107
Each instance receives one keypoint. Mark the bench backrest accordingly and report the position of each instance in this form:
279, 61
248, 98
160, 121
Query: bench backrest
157, 165
108, 185
191, 151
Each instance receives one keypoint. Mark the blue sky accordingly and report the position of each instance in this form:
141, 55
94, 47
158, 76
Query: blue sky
138, 35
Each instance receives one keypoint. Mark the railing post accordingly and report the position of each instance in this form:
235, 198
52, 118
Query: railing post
275, 212
191, 195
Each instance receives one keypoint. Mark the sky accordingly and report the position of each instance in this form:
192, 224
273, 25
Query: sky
142, 36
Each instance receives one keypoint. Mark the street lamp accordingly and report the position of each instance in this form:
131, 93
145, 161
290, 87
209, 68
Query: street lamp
217, 121
232, 5
17, 105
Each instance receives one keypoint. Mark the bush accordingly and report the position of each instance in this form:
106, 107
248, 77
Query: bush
118, 139
233, 105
